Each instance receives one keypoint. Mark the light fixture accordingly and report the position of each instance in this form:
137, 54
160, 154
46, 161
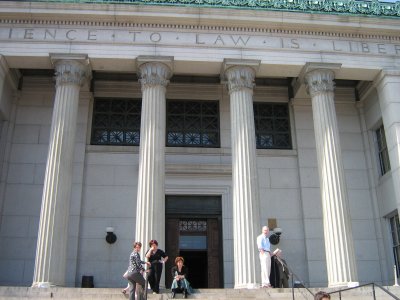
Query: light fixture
111, 238
275, 236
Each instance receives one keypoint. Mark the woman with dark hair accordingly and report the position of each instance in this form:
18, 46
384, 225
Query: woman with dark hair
180, 274
157, 258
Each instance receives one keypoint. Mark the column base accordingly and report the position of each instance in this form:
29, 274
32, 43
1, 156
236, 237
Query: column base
248, 286
344, 284
353, 284
43, 285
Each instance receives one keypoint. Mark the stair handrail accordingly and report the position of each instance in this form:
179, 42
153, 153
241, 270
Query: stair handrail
293, 275
362, 285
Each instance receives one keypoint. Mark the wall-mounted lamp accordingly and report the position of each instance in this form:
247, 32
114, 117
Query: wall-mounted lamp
111, 238
275, 236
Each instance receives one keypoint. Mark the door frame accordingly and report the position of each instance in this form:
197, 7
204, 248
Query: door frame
213, 215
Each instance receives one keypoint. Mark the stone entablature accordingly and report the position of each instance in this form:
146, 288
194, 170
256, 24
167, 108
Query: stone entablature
215, 38
126, 15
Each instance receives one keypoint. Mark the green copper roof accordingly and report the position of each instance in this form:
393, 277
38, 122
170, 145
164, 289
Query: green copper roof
352, 7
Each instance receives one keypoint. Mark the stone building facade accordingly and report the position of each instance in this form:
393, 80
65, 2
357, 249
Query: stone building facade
195, 124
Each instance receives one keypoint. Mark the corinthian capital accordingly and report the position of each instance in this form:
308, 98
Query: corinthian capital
239, 78
154, 70
71, 69
320, 80
239, 74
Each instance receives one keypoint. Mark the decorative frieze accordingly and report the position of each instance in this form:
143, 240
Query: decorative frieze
200, 36
199, 28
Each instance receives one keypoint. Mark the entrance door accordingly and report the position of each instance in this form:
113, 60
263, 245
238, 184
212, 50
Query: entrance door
197, 238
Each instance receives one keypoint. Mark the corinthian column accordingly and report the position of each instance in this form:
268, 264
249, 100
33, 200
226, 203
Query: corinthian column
51, 256
339, 247
150, 214
240, 80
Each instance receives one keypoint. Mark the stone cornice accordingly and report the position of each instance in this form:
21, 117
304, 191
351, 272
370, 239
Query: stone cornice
359, 7
199, 18
199, 28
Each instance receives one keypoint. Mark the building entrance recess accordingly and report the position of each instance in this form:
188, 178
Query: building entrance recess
194, 231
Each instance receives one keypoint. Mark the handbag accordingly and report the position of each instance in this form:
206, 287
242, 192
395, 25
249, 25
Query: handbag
131, 276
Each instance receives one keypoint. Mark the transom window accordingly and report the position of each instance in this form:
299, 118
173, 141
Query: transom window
192, 123
383, 153
272, 125
116, 121
192, 225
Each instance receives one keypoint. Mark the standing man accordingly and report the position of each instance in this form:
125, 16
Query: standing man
264, 247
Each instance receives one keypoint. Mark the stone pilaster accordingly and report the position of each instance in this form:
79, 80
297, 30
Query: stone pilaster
240, 80
340, 257
8, 109
3, 73
51, 256
388, 86
150, 214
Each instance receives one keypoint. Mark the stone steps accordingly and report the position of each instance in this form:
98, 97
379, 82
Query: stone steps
57, 293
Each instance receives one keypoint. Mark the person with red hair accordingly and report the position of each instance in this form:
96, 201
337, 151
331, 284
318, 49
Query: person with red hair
180, 274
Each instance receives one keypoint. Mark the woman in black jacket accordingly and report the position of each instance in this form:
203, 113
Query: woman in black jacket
157, 258
180, 274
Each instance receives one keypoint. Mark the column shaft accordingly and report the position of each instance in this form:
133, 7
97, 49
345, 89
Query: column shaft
244, 175
50, 263
339, 246
150, 215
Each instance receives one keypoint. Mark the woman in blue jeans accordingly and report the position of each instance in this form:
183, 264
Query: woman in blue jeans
180, 274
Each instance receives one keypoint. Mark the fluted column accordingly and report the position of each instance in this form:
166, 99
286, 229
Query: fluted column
150, 215
340, 257
240, 81
388, 87
51, 256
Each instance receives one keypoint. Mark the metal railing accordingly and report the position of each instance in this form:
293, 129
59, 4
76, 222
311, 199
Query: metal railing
294, 276
362, 285
374, 285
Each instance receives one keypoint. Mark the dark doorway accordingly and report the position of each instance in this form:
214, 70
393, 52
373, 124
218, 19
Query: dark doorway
196, 260
194, 231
